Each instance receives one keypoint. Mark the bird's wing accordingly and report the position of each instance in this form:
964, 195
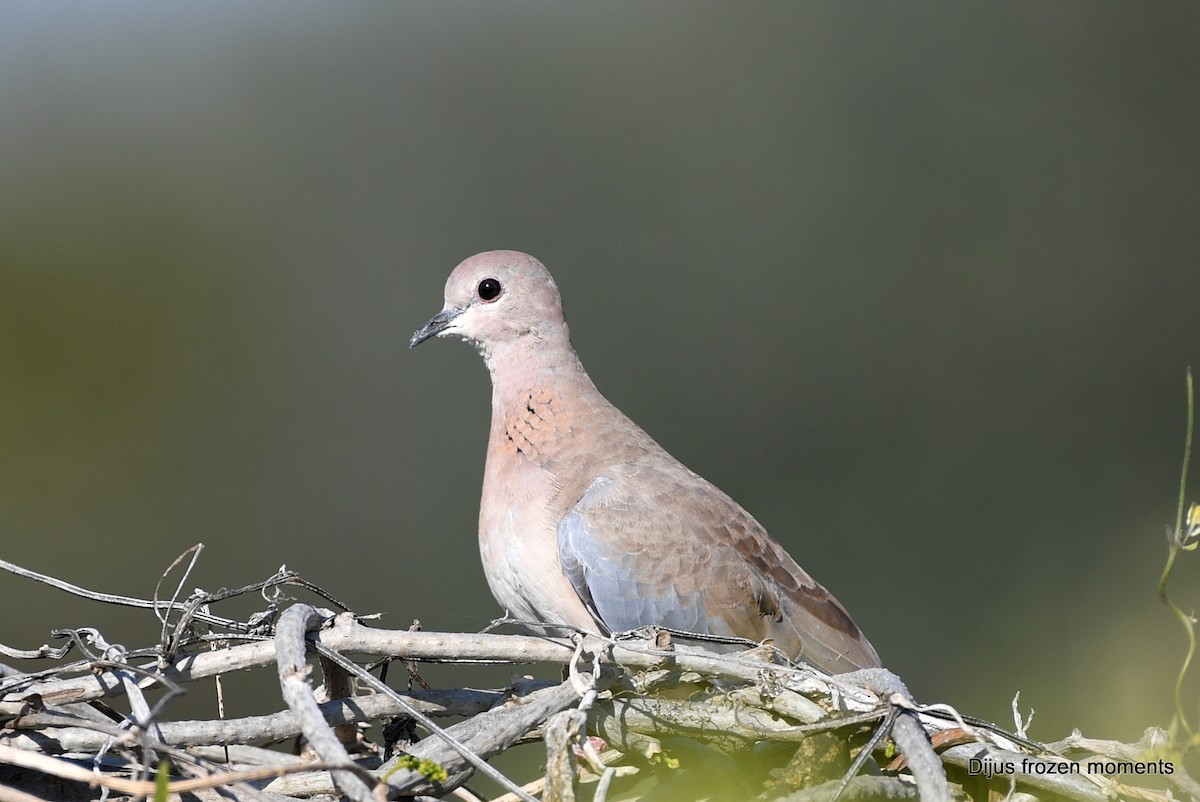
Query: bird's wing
658, 545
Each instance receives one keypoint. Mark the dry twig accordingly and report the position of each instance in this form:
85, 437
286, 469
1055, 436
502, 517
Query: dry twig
615, 689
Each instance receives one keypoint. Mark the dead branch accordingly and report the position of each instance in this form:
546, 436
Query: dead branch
666, 709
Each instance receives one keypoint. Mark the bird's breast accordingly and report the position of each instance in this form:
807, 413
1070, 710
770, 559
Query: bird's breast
518, 538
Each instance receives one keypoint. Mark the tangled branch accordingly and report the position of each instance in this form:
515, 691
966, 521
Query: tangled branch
644, 708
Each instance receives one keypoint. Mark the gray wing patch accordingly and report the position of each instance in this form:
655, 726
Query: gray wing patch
620, 583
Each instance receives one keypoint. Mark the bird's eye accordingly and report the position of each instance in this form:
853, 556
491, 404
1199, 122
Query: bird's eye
489, 290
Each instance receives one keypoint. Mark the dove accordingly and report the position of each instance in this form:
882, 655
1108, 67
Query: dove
586, 521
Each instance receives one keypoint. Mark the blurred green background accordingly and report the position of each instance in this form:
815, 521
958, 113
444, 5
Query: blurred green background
916, 283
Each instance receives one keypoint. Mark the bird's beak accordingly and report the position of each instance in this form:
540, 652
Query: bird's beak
436, 325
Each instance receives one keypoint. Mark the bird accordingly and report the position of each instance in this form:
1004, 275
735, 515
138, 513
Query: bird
587, 522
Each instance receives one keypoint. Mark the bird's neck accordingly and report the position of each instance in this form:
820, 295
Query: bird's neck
538, 368
539, 398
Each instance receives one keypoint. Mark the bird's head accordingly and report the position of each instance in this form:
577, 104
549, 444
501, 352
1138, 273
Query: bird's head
501, 302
